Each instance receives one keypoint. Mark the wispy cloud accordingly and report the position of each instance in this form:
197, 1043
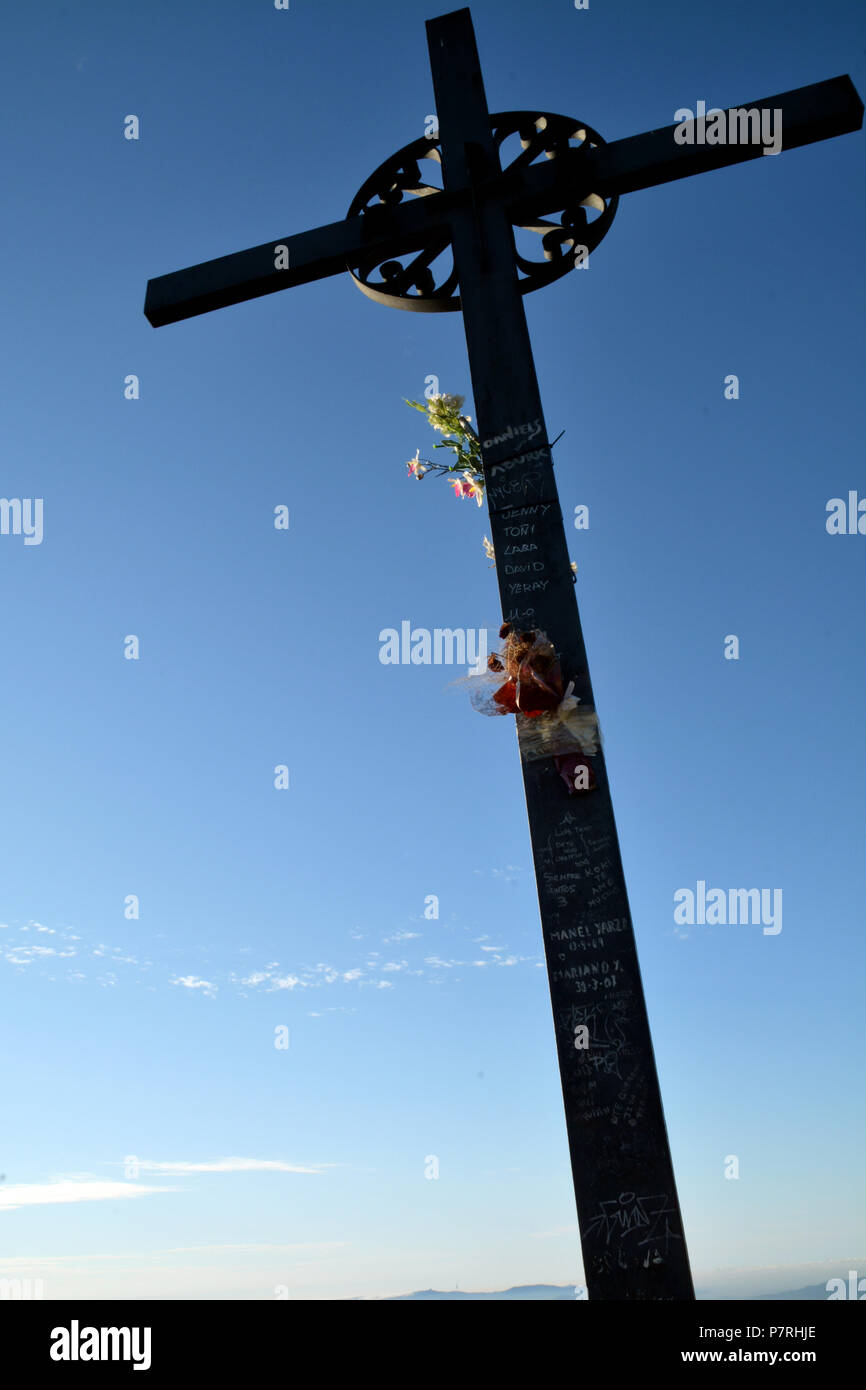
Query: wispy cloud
23, 955
225, 1165
57, 1190
193, 982
77, 961
509, 873
269, 978
495, 959
249, 1248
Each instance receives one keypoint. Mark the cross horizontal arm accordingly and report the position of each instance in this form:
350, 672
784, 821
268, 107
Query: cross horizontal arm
816, 112
380, 231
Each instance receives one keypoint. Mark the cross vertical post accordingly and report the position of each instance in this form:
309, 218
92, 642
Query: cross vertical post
630, 1224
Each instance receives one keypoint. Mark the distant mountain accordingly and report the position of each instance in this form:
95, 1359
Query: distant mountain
522, 1291
560, 1291
812, 1291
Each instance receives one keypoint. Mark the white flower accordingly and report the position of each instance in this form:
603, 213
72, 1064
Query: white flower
440, 404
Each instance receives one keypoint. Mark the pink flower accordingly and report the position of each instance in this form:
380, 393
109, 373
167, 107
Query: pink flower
469, 488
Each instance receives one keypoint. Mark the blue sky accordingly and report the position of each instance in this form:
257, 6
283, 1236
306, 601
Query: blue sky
303, 1168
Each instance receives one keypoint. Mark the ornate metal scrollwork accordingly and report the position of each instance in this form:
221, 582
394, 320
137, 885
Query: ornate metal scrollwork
414, 282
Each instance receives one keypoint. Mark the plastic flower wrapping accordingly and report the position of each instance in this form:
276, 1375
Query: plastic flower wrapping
525, 679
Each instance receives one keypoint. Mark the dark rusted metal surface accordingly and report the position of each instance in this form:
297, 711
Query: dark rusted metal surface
532, 191
630, 1225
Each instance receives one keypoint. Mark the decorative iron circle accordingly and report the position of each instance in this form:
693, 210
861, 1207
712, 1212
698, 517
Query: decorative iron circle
565, 237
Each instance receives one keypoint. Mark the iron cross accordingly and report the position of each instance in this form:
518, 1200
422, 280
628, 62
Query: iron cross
629, 1216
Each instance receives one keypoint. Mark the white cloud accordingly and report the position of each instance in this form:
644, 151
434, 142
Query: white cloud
256, 978
329, 973
22, 955
72, 1190
256, 1248
376, 971
225, 1165
26, 1262
193, 982
260, 977
507, 873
